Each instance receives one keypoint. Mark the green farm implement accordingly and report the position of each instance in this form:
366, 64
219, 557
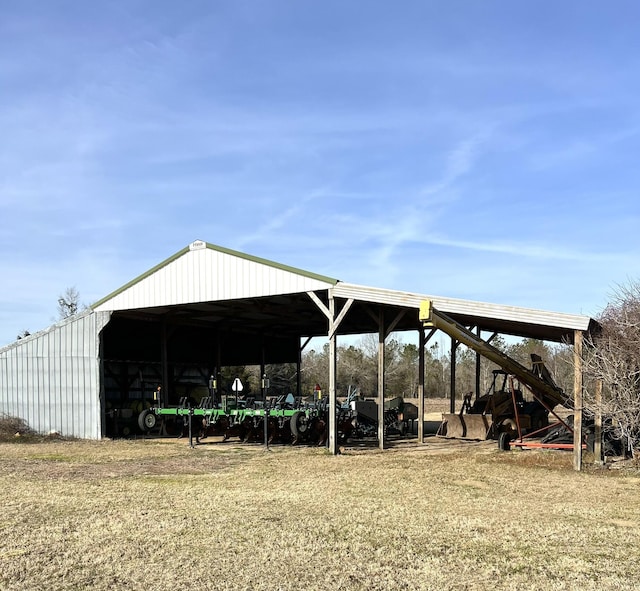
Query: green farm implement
284, 419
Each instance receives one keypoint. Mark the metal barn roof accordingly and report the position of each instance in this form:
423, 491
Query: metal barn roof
216, 286
517, 321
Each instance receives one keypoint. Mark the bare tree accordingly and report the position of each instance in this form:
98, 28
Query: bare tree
68, 303
612, 357
356, 371
315, 369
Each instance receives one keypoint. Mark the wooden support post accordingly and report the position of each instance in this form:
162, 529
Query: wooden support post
334, 323
299, 371
478, 365
597, 445
421, 346
219, 364
577, 400
301, 348
452, 393
333, 372
381, 339
263, 366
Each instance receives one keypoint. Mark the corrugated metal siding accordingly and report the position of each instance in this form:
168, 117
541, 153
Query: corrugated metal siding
206, 275
52, 379
465, 307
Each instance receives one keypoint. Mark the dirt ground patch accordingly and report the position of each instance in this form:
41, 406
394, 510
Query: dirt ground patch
153, 514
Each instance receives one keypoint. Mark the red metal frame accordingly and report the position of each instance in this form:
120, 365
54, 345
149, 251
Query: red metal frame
520, 442
538, 445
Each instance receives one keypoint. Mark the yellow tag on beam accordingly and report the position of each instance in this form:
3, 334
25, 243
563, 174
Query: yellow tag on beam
425, 310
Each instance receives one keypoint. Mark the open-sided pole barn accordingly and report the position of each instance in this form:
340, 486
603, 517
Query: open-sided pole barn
207, 307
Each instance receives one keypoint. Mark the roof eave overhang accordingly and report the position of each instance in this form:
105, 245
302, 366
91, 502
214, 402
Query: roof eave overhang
543, 324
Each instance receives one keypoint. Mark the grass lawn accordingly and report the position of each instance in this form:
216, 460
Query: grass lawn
154, 514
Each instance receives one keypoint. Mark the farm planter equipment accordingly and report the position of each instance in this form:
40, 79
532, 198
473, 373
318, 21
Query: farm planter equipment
285, 419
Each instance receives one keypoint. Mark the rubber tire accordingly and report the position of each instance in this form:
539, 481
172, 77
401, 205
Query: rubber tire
147, 420
504, 441
298, 427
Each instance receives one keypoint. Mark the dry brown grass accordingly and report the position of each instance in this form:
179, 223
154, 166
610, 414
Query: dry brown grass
158, 515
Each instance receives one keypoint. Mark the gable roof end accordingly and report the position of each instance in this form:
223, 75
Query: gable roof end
203, 272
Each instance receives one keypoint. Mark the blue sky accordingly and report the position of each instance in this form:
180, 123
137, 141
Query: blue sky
481, 150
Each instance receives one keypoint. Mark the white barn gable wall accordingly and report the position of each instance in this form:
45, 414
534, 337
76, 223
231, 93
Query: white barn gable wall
204, 274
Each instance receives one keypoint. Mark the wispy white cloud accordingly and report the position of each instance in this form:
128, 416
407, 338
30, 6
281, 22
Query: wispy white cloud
459, 161
524, 249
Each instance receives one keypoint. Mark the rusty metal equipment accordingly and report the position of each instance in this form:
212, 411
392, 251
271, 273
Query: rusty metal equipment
536, 379
504, 413
501, 409
397, 416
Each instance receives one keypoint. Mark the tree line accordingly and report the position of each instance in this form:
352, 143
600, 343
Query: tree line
357, 368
